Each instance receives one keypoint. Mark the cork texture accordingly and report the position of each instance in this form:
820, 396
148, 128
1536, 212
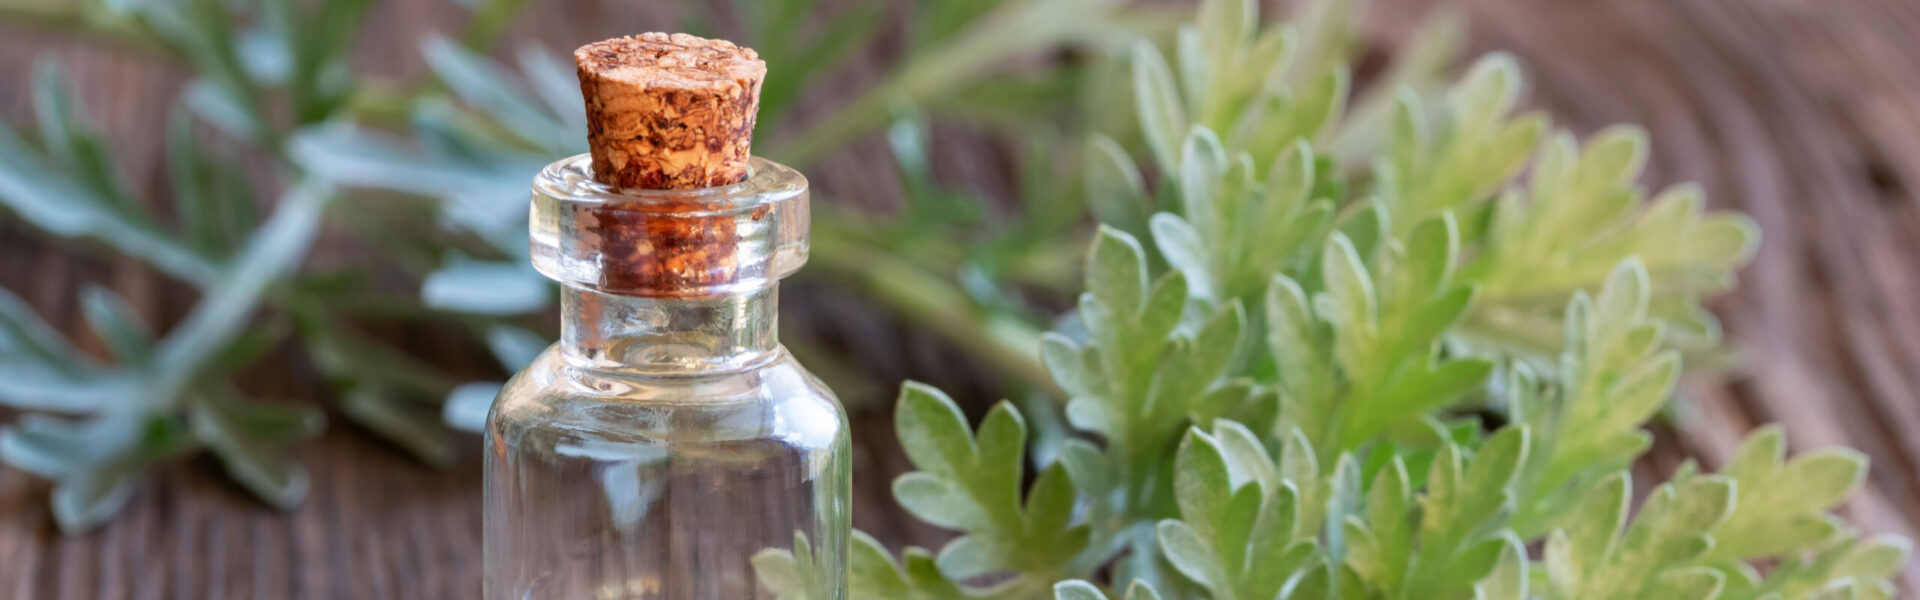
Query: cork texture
667, 112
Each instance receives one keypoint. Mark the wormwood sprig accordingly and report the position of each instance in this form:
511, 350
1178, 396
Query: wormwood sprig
158, 398
1310, 448
262, 71
1580, 214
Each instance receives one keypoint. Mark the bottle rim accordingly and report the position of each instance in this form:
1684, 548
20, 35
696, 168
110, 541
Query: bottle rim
668, 243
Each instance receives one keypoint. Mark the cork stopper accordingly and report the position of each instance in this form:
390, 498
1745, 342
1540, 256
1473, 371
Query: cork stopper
669, 111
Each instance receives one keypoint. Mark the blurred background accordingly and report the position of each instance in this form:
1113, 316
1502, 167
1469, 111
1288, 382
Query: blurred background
293, 233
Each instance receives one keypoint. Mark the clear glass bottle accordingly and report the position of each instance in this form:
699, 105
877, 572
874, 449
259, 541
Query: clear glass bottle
668, 438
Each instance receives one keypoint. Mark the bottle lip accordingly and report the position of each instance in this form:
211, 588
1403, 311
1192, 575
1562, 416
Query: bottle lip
571, 179
668, 243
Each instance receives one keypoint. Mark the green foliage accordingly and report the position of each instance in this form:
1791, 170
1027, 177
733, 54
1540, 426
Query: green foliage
1592, 557
1453, 156
1580, 214
1360, 356
798, 571
1236, 534
272, 101
1142, 372
1787, 502
972, 484
1387, 285
1444, 542
1612, 378
160, 399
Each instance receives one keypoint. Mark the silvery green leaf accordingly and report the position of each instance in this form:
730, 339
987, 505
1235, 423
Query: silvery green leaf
872, 572
1454, 537
25, 335
480, 83
1694, 583
1201, 176
1115, 190
1509, 578
1067, 365
795, 573
777, 570
466, 406
1084, 465
252, 439
1782, 506
1583, 213
44, 196
85, 498
264, 51
215, 208
1658, 554
1226, 26
1184, 250
515, 347
118, 327
1614, 379
1454, 157
417, 430
1116, 273
1862, 567
971, 482
552, 77
274, 250
69, 139
350, 155
46, 446
100, 460
488, 288
1077, 590
217, 105
1162, 118
37, 386
1237, 533
1299, 345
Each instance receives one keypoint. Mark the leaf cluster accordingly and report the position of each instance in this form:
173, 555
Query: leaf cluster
155, 398
1271, 399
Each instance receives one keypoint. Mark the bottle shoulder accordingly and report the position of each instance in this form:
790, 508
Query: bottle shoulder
776, 399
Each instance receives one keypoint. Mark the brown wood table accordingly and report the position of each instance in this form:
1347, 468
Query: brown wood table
1804, 113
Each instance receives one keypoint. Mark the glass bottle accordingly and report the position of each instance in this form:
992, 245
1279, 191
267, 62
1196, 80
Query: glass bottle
667, 439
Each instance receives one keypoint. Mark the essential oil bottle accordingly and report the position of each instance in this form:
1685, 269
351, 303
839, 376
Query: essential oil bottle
667, 439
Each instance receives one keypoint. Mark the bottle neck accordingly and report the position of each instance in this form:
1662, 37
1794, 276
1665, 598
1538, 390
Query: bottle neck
669, 336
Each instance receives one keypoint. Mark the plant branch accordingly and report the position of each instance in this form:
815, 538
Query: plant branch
1010, 345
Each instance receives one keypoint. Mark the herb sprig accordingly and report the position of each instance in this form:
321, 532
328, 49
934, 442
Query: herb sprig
1270, 400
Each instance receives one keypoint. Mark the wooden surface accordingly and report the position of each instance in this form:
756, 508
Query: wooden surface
1804, 113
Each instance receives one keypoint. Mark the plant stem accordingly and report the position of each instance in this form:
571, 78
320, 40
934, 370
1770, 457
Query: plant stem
1009, 344
1013, 29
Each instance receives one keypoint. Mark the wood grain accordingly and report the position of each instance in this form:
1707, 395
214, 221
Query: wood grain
1803, 113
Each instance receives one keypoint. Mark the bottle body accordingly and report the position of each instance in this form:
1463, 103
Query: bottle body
610, 485
667, 448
